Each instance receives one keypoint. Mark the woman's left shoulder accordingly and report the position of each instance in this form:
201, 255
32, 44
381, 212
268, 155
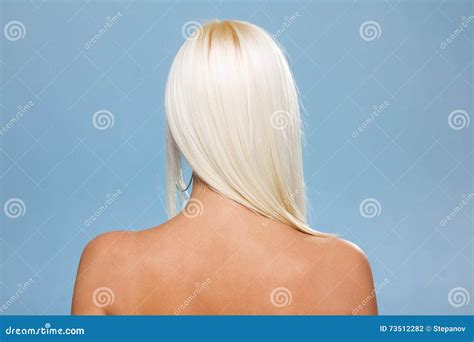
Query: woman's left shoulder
103, 261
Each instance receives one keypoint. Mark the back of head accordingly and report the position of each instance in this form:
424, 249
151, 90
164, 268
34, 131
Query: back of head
232, 112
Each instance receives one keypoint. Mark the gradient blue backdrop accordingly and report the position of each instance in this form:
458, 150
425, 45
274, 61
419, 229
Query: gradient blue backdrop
409, 158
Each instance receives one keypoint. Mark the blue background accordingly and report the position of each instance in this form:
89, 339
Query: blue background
409, 158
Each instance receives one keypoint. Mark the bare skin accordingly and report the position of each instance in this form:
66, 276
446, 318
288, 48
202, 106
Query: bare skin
225, 260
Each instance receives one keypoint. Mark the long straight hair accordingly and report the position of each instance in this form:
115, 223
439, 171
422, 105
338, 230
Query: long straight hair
232, 112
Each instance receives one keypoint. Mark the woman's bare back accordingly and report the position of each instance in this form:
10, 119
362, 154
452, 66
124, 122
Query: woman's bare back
222, 259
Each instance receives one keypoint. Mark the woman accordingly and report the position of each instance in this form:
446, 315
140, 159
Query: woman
241, 245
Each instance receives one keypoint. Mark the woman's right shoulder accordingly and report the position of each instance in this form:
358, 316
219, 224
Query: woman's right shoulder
345, 273
341, 254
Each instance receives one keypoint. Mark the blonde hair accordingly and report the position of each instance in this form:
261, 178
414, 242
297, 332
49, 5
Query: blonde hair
232, 112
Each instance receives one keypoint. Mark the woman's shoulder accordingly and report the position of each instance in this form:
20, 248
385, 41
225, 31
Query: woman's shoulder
335, 254
109, 246
341, 249
106, 269
120, 247
341, 275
